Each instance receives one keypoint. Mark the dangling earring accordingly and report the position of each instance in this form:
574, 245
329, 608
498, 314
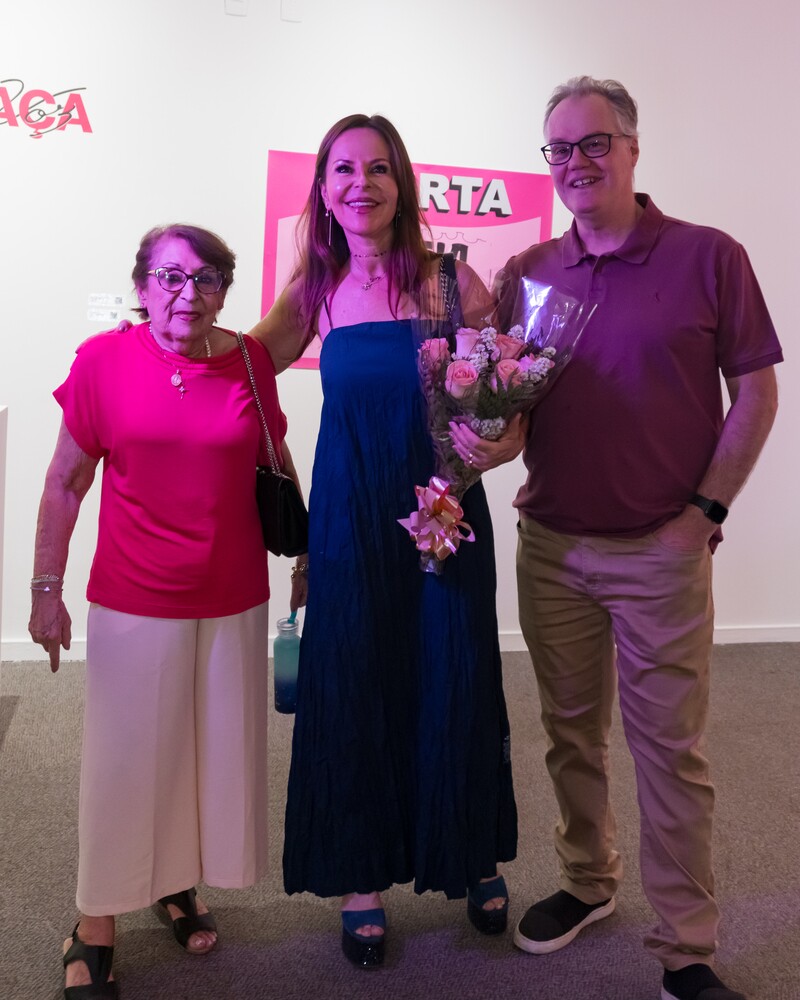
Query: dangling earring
397, 218
330, 225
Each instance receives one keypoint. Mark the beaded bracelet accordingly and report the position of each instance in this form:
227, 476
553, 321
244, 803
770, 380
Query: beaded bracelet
47, 582
301, 570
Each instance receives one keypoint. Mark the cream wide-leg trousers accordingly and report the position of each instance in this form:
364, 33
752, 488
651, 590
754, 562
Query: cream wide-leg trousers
174, 769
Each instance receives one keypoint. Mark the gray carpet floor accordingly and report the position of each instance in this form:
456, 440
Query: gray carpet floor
273, 946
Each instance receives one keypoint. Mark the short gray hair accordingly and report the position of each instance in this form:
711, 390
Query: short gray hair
617, 96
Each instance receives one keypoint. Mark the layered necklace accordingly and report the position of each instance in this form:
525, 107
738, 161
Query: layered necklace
366, 285
176, 378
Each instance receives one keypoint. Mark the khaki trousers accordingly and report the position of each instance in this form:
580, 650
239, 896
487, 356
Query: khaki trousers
598, 613
173, 775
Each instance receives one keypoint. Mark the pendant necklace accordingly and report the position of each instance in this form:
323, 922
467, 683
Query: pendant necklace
177, 377
366, 285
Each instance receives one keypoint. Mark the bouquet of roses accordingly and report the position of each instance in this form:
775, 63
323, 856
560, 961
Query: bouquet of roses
484, 378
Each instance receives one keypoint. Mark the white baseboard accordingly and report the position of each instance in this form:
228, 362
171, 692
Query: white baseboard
729, 634
510, 642
21, 650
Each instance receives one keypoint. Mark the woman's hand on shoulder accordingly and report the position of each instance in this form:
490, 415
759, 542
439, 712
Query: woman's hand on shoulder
122, 327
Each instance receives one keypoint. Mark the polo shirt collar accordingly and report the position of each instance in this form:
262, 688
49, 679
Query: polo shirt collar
636, 247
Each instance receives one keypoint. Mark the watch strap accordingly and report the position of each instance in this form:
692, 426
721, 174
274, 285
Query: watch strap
713, 509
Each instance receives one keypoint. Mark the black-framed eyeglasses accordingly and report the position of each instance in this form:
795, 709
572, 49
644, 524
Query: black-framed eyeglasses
594, 145
172, 279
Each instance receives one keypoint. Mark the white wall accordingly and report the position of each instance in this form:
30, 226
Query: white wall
3, 432
184, 103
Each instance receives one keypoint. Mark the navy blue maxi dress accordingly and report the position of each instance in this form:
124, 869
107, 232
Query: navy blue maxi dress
401, 754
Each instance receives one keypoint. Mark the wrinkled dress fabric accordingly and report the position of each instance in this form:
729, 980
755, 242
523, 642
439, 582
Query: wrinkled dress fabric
401, 753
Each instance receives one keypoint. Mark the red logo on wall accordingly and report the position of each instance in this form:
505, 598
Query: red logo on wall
39, 110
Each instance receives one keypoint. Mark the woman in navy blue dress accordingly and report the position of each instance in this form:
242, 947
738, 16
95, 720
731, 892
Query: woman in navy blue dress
401, 754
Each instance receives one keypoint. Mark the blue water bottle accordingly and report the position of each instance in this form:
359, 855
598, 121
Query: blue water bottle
286, 652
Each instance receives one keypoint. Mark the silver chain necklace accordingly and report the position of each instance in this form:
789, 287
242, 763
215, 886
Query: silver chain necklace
177, 377
369, 282
366, 285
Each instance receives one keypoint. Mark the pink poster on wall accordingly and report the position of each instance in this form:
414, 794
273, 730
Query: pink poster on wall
482, 216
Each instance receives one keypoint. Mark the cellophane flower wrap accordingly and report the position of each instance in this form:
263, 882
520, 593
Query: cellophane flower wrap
484, 377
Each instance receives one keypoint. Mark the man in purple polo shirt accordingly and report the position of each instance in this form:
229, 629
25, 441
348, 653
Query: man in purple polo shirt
632, 466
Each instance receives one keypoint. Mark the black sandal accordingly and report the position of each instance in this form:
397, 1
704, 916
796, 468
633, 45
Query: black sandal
364, 951
98, 959
488, 921
192, 921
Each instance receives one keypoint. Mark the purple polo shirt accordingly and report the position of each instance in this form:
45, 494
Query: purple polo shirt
627, 432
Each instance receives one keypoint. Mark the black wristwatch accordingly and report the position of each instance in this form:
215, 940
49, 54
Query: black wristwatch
713, 509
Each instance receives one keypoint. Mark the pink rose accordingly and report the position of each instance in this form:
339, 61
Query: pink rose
460, 378
509, 347
506, 373
466, 339
434, 352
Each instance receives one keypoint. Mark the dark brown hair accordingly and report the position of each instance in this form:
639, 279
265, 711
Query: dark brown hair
209, 247
320, 264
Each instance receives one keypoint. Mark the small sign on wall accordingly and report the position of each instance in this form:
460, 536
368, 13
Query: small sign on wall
106, 316
105, 307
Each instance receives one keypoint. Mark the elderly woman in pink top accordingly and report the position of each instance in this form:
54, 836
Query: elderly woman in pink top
173, 780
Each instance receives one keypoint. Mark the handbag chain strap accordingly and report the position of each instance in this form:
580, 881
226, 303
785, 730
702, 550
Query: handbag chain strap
273, 461
448, 290
451, 297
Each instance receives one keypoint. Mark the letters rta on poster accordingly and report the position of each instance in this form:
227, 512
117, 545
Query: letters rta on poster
40, 110
494, 198
433, 190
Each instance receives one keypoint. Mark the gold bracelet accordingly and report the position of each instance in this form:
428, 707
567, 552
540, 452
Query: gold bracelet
300, 570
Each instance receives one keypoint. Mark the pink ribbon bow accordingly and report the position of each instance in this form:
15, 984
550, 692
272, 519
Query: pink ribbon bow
437, 526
